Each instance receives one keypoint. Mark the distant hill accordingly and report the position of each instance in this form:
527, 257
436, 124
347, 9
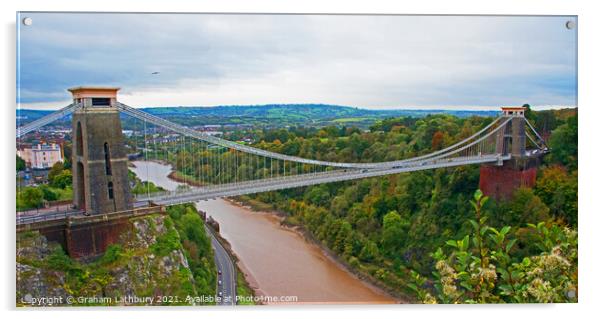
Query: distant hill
30, 115
307, 111
276, 114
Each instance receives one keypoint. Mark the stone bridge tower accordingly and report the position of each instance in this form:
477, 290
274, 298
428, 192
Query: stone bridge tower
99, 163
500, 181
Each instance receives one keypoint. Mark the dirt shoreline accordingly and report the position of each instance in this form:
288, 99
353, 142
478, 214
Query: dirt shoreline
307, 236
174, 176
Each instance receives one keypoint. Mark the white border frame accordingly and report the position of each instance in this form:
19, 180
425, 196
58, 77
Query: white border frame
590, 22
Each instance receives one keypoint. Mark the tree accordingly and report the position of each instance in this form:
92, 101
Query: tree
317, 195
526, 207
67, 151
49, 195
62, 180
529, 114
55, 170
437, 141
369, 252
339, 205
558, 190
546, 121
31, 197
394, 233
563, 143
20, 164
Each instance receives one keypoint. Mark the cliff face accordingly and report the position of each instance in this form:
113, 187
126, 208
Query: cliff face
147, 264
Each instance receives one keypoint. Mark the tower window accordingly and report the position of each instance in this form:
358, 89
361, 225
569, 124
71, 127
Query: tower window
107, 159
110, 189
101, 101
79, 140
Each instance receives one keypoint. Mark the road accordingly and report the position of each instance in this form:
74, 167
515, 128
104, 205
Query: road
46, 210
29, 217
58, 212
228, 273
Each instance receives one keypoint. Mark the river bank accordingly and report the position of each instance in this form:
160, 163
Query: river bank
176, 176
373, 283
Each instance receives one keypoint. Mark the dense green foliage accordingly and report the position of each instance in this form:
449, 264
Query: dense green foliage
485, 267
564, 144
196, 243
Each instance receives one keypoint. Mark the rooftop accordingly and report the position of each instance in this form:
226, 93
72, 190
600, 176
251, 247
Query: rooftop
94, 91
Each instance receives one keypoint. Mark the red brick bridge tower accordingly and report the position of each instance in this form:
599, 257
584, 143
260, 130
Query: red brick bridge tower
500, 181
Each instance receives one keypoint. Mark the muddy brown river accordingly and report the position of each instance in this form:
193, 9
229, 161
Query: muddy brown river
278, 261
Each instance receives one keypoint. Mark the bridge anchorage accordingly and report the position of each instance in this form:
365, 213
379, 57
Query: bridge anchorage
502, 179
508, 150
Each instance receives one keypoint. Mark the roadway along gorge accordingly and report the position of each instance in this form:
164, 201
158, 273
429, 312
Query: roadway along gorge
278, 262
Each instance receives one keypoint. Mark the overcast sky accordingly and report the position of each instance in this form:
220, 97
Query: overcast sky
380, 62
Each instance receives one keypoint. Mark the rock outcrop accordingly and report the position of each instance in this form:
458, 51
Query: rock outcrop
147, 263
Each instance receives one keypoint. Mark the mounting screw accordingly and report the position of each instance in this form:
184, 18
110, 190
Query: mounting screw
570, 24
27, 21
571, 294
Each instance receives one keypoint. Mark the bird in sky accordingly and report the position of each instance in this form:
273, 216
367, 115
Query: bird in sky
155, 72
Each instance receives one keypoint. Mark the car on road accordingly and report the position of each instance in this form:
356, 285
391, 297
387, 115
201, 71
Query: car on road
220, 293
219, 271
219, 282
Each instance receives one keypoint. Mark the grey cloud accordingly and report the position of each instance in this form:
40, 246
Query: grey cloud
371, 61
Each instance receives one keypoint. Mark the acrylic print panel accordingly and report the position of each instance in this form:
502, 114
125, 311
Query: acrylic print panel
229, 159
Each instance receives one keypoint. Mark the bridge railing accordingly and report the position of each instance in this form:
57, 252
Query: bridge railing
296, 181
46, 217
78, 216
254, 186
29, 127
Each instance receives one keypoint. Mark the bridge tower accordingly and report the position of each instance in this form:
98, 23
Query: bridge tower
99, 162
500, 181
